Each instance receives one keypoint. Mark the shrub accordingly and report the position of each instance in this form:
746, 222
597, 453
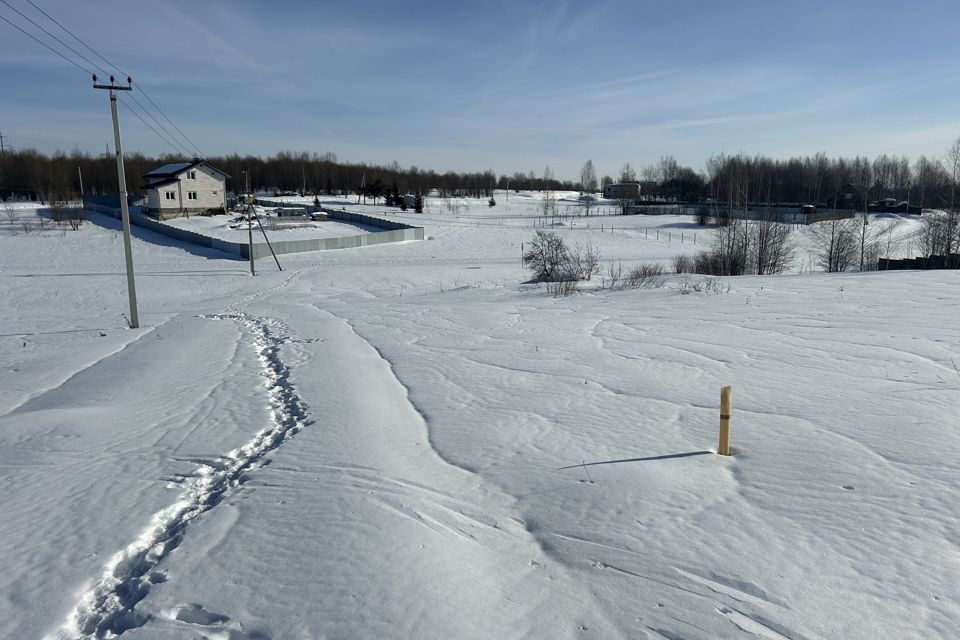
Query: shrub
646, 275
546, 256
683, 264
563, 288
709, 285
615, 275
584, 261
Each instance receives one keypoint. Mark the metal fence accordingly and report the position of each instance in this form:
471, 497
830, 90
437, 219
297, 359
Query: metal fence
393, 232
951, 261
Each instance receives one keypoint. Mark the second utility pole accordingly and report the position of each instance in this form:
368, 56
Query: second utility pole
124, 206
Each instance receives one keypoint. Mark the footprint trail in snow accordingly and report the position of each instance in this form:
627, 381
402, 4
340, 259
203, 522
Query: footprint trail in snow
107, 608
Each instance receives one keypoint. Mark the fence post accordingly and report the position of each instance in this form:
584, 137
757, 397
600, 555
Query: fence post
725, 409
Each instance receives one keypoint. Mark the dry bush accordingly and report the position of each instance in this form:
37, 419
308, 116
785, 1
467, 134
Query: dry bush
563, 288
546, 256
683, 264
645, 276
708, 285
615, 275
584, 261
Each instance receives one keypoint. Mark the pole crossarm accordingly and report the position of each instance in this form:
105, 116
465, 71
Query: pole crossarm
113, 86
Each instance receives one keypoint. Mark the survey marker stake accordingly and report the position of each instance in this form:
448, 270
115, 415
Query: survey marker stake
725, 409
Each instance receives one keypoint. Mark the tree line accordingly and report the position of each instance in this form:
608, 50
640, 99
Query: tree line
736, 181
30, 174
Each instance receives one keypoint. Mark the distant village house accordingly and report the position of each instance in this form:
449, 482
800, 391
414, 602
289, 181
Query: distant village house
183, 188
619, 190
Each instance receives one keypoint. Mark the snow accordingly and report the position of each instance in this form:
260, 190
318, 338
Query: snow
223, 227
407, 441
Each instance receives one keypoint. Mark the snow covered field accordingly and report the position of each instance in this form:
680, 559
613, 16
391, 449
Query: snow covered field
223, 228
405, 441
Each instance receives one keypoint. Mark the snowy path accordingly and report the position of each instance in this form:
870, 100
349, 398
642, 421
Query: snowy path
108, 607
435, 528
434, 551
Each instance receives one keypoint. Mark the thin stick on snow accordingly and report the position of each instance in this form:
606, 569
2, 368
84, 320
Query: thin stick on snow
584, 462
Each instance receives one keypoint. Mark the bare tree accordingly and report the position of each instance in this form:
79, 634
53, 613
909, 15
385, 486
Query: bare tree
548, 205
627, 173
834, 244
937, 234
546, 256
729, 254
953, 164
865, 237
588, 177
771, 246
585, 260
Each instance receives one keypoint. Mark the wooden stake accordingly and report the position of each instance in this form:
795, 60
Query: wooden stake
725, 408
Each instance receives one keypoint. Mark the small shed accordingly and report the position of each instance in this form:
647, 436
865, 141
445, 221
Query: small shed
620, 190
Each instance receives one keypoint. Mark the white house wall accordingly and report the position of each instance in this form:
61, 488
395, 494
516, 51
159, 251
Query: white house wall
208, 185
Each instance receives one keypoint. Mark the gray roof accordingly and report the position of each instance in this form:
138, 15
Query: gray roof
169, 169
174, 168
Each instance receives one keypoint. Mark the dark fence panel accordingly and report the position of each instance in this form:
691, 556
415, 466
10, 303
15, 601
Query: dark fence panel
951, 261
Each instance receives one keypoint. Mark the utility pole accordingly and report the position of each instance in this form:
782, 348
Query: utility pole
124, 207
3, 148
251, 212
80, 173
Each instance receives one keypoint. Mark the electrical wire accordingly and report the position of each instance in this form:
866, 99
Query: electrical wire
149, 126
71, 49
172, 123
124, 73
95, 52
27, 33
170, 139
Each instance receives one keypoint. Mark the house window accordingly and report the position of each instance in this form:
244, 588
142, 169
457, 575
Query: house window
191, 195
169, 195
191, 175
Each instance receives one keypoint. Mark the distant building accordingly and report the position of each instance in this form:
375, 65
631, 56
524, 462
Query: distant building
892, 205
185, 188
619, 190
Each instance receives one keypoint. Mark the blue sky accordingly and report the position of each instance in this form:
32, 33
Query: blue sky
512, 86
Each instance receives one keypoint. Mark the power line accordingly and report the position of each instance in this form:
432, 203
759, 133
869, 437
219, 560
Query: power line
195, 148
176, 148
123, 73
149, 126
27, 33
177, 145
74, 51
95, 52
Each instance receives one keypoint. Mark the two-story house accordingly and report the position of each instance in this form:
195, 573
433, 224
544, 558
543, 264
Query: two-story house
182, 188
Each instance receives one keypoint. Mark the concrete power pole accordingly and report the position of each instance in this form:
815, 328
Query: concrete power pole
124, 207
